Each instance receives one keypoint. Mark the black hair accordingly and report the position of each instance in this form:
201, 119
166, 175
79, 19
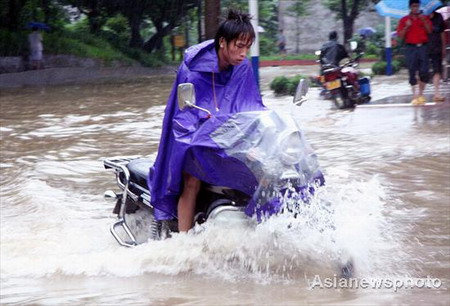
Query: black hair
234, 26
333, 35
413, 2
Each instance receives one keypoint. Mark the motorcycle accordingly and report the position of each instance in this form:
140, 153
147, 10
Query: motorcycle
343, 83
262, 155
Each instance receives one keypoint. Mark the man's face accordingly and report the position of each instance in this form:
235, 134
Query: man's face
415, 8
236, 50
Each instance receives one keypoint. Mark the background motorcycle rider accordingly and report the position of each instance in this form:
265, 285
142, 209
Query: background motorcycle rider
224, 83
332, 52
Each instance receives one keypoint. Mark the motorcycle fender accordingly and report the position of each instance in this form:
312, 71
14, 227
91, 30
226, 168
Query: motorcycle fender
335, 92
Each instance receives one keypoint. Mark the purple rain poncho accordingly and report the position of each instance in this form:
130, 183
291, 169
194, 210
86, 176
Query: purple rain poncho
235, 91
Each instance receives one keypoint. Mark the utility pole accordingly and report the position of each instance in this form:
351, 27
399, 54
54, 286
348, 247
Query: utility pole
388, 45
254, 51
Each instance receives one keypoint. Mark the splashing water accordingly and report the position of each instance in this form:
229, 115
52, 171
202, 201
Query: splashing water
342, 222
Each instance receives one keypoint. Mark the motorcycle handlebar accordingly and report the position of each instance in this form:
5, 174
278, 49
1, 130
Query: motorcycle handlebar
352, 60
349, 62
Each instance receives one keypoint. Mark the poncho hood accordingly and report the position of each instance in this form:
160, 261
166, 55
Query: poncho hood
202, 57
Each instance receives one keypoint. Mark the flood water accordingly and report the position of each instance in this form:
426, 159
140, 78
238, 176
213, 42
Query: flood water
388, 181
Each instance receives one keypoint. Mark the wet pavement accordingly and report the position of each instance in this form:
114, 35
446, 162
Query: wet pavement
385, 89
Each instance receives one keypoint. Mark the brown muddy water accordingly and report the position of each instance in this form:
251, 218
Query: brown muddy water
388, 183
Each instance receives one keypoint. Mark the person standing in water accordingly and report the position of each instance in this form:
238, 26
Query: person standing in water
414, 29
36, 48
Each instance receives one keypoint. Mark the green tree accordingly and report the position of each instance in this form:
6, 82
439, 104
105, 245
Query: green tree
15, 14
93, 9
165, 16
99, 11
298, 9
10, 12
267, 19
134, 11
347, 11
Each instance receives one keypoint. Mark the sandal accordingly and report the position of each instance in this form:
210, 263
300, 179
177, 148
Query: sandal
417, 101
422, 99
438, 99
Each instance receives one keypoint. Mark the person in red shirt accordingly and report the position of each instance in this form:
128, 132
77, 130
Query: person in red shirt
414, 29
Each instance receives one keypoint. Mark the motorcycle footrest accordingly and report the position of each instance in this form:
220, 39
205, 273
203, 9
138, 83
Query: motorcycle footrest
121, 223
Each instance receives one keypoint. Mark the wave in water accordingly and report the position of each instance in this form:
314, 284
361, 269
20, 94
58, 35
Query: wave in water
62, 233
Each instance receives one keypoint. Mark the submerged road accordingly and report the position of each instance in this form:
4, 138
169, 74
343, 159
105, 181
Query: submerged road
387, 196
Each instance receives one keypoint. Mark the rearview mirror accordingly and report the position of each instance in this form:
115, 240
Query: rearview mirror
353, 45
300, 93
186, 95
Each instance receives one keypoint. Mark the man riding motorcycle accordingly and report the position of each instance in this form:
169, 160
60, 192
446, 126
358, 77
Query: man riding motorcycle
224, 83
332, 52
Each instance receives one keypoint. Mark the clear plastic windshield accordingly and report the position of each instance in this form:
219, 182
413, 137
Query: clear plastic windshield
271, 145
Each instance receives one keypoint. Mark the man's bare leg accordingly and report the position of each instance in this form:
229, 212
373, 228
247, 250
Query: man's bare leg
436, 83
414, 91
421, 88
186, 202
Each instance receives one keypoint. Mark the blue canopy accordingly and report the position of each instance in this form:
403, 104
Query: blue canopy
400, 8
39, 25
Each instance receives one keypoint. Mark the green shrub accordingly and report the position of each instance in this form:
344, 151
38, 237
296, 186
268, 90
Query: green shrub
371, 49
371, 56
380, 67
292, 84
267, 46
82, 25
287, 86
13, 43
82, 45
288, 57
117, 24
149, 60
107, 46
396, 66
280, 85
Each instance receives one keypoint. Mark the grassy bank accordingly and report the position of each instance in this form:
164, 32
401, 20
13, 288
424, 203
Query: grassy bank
304, 57
288, 57
78, 43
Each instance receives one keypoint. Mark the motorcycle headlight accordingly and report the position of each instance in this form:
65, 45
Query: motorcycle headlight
291, 148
